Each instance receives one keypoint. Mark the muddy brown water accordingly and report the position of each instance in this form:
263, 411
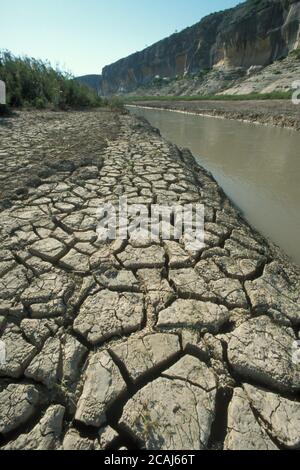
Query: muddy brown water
257, 166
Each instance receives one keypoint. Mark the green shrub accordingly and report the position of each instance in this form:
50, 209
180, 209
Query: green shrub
40, 103
295, 53
203, 73
34, 83
115, 103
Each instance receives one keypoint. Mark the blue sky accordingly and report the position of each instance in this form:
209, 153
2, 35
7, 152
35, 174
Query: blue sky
82, 36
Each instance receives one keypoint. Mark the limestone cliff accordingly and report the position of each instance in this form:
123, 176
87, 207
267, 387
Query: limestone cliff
91, 81
256, 32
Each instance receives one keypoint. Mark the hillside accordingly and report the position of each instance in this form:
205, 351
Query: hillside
220, 50
91, 81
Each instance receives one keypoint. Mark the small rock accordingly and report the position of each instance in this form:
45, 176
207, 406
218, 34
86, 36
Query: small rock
44, 367
106, 437
13, 283
37, 331
144, 355
49, 249
141, 258
75, 261
19, 353
262, 351
192, 370
103, 385
244, 432
159, 291
72, 356
17, 405
193, 314
282, 415
45, 435
241, 269
107, 314
188, 282
178, 258
171, 414
118, 280
73, 441
48, 294
278, 289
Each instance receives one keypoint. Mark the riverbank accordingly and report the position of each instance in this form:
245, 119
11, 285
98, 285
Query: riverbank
256, 165
137, 343
282, 113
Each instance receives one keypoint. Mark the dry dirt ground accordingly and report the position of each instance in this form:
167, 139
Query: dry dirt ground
135, 343
36, 145
281, 113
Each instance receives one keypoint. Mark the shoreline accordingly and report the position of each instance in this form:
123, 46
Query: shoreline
233, 111
213, 116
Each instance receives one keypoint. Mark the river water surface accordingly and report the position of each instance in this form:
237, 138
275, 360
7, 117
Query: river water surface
257, 166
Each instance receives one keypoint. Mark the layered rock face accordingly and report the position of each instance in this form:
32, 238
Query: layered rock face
257, 32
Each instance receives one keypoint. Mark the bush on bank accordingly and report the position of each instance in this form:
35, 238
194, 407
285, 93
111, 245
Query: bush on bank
114, 102
34, 83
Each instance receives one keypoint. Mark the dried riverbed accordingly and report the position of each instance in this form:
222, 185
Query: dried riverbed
136, 344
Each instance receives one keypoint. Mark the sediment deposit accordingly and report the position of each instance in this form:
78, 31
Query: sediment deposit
279, 113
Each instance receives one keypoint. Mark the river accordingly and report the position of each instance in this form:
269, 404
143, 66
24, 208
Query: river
257, 166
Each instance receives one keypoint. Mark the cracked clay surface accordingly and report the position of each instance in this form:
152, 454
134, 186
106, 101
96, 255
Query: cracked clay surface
137, 343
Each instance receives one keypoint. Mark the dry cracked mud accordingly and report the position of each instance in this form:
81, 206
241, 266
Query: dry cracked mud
136, 343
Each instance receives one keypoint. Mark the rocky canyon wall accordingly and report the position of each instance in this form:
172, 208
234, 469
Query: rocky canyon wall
256, 32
